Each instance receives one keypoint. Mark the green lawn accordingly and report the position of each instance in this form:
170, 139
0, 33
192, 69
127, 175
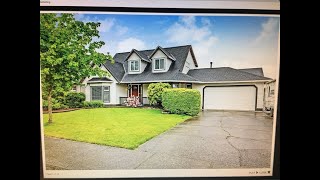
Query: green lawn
120, 127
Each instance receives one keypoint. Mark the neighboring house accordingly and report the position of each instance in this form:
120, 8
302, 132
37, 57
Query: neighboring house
269, 95
223, 88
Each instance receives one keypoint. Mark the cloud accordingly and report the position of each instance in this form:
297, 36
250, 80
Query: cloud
186, 31
121, 30
269, 29
105, 26
204, 51
206, 21
130, 43
189, 21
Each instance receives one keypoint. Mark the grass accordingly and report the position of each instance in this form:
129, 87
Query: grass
119, 127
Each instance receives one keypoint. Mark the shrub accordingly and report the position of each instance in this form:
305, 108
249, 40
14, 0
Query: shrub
92, 104
155, 92
55, 104
75, 99
58, 105
181, 101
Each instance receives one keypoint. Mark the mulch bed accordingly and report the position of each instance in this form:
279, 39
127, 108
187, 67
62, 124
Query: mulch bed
45, 111
61, 110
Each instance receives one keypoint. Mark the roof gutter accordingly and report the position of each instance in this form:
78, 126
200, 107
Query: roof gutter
91, 82
274, 80
199, 82
159, 81
222, 82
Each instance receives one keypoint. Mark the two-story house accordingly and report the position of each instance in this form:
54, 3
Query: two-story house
221, 88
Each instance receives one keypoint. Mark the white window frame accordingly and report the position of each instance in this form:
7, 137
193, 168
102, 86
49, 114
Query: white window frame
164, 64
177, 85
134, 61
102, 92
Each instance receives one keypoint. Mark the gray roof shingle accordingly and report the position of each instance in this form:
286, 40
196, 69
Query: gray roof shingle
180, 53
95, 79
223, 74
115, 69
255, 71
143, 56
169, 55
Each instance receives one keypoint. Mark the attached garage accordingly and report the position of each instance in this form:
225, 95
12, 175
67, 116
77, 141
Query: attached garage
242, 98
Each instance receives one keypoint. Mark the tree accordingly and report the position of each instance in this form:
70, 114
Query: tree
155, 93
67, 53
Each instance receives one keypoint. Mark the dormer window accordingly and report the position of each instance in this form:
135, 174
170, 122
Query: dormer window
134, 65
159, 64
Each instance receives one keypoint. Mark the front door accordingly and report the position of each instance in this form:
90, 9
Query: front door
135, 90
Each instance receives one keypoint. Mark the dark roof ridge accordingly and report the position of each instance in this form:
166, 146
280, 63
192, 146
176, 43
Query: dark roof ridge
210, 68
249, 73
251, 68
140, 54
189, 76
154, 49
256, 70
163, 51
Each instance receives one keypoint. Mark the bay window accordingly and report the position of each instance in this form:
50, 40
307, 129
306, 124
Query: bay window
101, 93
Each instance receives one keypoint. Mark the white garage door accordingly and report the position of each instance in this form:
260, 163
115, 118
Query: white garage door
230, 98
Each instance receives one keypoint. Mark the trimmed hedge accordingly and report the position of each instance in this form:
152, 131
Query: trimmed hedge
181, 101
75, 99
155, 93
92, 104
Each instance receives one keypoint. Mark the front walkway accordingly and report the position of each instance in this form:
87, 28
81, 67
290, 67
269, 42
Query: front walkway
215, 139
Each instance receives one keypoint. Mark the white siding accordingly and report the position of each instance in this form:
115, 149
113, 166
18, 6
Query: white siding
260, 95
167, 62
145, 93
122, 91
142, 64
258, 85
189, 64
145, 90
115, 90
269, 99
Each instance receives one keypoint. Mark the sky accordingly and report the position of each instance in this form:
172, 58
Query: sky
227, 41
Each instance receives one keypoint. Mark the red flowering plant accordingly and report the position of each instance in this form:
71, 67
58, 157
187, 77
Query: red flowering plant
133, 101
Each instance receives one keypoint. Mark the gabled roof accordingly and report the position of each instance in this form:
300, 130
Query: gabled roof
174, 73
142, 56
115, 69
255, 71
99, 79
223, 74
169, 55
179, 52
193, 57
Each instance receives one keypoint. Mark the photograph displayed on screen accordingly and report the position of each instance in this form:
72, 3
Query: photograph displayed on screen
152, 93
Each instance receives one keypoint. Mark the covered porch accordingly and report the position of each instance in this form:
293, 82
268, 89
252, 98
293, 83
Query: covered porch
140, 91
137, 90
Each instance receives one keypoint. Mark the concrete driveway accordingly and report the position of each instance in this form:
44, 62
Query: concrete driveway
215, 139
